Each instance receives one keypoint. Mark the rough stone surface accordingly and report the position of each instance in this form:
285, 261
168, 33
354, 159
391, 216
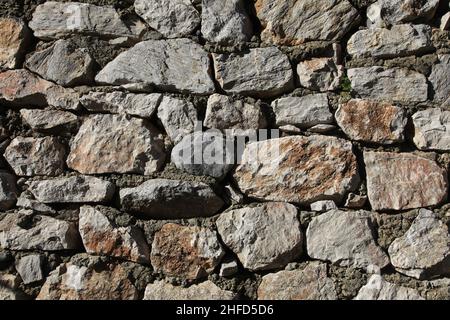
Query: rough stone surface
172, 18
8, 190
117, 102
43, 233
45, 120
186, 252
226, 22
321, 74
400, 40
111, 143
355, 201
100, 236
176, 65
345, 239
305, 170
424, 250
432, 129
205, 154
30, 268
207, 290
235, 117
228, 269
445, 22
178, 116
75, 189
162, 198
310, 283
372, 121
396, 84
401, 181
36, 156
379, 289
303, 112
324, 205
264, 237
64, 64
14, 35
440, 79
294, 22
64, 98
268, 72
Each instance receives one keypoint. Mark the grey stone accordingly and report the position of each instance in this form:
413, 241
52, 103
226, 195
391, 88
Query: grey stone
294, 22
171, 199
14, 37
432, 129
445, 22
207, 290
30, 156
178, 116
48, 119
324, 205
267, 72
63, 98
46, 233
228, 269
27, 201
424, 250
226, 22
355, 201
7, 294
172, 18
396, 84
171, 65
235, 117
8, 190
303, 112
440, 79
345, 239
113, 143
320, 74
205, 154
322, 128
264, 237
30, 268
75, 189
64, 64
117, 102
379, 289
310, 283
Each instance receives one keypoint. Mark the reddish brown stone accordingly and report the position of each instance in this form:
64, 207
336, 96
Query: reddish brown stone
14, 35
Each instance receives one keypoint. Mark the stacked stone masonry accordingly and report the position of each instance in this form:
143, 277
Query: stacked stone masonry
99, 100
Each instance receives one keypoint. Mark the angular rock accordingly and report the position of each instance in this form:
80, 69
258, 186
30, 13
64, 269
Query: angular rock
178, 116
311, 283
226, 22
75, 189
169, 65
141, 105
64, 64
294, 22
171, 199
401, 181
372, 121
440, 79
8, 190
64, 98
7, 294
324, 205
445, 22
21, 87
432, 129
186, 252
267, 72
264, 237
355, 201
100, 236
205, 154
112, 143
400, 40
14, 36
320, 74
424, 250
48, 119
379, 289
303, 112
55, 20
30, 268
345, 239
30, 156
389, 12
72, 282
396, 84
207, 290
43, 233
235, 117
27, 201
228, 269
298, 169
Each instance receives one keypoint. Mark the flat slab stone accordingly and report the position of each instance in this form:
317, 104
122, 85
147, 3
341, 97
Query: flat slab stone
48, 119
440, 80
432, 129
207, 290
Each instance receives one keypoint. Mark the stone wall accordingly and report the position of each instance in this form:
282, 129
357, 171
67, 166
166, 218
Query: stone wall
98, 100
